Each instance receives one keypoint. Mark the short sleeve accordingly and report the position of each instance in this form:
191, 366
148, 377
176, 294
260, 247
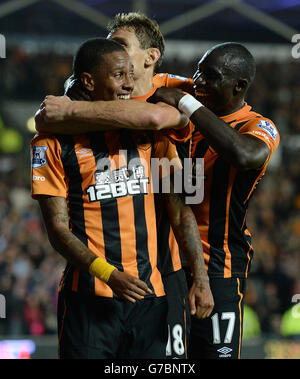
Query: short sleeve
175, 81
47, 172
265, 130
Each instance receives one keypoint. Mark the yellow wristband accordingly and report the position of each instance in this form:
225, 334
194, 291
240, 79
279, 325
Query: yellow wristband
101, 269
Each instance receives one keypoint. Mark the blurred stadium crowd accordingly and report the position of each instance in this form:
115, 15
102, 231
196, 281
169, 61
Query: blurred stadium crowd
29, 268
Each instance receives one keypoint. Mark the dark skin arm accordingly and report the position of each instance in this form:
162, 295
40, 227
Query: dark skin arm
55, 215
187, 235
243, 151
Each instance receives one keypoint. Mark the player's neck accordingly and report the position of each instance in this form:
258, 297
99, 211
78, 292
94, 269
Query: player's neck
229, 108
143, 85
234, 107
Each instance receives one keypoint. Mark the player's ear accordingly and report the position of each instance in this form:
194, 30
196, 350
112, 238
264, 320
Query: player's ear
241, 85
87, 81
153, 55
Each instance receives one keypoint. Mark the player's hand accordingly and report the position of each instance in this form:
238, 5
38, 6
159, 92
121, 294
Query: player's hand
167, 95
75, 90
56, 108
201, 301
128, 287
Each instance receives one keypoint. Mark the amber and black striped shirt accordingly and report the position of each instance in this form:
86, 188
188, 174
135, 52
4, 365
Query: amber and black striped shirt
221, 215
169, 258
106, 180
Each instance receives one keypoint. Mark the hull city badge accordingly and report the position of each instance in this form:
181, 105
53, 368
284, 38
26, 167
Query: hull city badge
39, 156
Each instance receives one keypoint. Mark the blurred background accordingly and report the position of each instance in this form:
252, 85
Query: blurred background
38, 39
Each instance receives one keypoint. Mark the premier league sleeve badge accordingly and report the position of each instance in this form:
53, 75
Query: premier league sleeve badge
39, 156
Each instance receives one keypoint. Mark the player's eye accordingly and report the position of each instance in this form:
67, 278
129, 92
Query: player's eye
121, 42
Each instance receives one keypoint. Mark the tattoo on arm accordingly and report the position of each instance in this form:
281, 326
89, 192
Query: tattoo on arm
56, 219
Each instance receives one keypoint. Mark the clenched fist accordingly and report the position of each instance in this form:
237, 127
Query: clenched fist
56, 108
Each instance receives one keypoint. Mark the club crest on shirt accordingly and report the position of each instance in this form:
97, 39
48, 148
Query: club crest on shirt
268, 128
39, 156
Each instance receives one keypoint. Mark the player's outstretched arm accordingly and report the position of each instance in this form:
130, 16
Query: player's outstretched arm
55, 215
64, 116
187, 235
243, 151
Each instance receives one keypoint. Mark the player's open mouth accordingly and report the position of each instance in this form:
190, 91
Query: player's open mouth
124, 97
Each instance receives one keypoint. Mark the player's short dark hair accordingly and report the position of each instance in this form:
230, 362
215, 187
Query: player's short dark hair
91, 53
146, 30
241, 60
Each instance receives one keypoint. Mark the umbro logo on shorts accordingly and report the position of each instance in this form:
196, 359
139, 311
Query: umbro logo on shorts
224, 352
